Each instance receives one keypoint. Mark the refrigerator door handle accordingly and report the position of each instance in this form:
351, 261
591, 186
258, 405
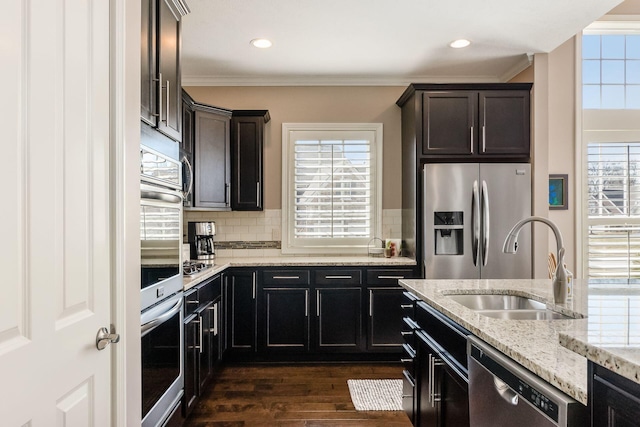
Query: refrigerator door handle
475, 221
485, 223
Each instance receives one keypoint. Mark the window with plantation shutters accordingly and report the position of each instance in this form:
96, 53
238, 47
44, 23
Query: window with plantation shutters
613, 190
331, 188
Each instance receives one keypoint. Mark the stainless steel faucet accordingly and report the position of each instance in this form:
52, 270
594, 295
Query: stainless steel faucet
560, 277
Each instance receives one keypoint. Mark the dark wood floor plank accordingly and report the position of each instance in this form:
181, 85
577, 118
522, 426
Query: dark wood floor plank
291, 396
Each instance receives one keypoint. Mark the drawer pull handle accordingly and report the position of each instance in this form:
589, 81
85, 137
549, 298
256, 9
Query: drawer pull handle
406, 306
193, 302
391, 277
338, 277
406, 360
405, 333
286, 277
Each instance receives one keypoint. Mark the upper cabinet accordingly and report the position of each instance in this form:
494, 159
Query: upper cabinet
467, 122
161, 104
212, 154
247, 144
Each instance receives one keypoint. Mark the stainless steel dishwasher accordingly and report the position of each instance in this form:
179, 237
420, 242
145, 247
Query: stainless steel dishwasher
502, 393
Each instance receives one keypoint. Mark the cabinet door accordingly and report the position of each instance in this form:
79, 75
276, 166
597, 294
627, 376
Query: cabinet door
504, 121
241, 311
148, 63
286, 319
429, 381
246, 163
385, 319
339, 319
212, 158
615, 400
191, 352
206, 356
448, 123
168, 48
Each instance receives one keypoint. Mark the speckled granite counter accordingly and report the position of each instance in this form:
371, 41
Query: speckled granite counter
222, 264
532, 343
611, 337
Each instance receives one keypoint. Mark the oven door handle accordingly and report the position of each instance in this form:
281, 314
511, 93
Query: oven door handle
154, 193
150, 326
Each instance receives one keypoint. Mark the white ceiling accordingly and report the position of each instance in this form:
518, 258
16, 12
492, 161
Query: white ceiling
361, 42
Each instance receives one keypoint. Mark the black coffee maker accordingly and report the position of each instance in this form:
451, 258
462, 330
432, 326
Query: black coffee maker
201, 236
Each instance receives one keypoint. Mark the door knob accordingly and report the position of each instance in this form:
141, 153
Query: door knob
104, 338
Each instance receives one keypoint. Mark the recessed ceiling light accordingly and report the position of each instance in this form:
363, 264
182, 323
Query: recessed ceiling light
261, 43
457, 44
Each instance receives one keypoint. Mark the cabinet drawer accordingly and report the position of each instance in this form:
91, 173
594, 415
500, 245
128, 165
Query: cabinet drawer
409, 359
338, 277
286, 277
191, 302
388, 276
408, 304
408, 329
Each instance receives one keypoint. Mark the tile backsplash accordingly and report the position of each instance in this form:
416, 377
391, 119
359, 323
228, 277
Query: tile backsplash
259, 233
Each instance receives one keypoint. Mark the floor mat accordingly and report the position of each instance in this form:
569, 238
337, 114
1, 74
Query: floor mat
376, 395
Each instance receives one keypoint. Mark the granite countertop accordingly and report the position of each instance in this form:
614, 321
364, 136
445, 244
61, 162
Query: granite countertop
532, 343
222, 264
608, 332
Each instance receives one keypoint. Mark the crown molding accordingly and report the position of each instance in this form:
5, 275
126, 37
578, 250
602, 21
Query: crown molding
524, 63
189, 80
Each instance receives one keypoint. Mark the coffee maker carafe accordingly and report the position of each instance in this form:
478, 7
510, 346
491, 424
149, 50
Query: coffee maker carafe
201, 241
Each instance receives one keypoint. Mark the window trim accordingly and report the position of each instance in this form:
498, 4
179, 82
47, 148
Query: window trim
288, 246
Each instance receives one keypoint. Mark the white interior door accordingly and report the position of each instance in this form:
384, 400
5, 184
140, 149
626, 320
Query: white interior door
54, 216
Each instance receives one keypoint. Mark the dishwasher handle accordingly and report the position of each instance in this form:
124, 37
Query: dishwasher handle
505, 391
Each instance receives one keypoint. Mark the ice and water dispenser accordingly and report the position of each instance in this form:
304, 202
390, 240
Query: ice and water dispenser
449, 229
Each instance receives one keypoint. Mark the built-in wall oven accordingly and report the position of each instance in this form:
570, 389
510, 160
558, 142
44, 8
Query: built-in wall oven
162, 361
162, 314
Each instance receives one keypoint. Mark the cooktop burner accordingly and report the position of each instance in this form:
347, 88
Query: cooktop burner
189, 268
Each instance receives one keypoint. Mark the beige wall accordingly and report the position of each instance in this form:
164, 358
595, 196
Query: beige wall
306, 104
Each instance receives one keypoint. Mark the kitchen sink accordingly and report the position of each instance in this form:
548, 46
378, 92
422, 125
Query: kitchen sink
523, 314
508, 307
497, 302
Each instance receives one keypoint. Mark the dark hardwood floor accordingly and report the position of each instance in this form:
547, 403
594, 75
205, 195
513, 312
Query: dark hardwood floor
307, 395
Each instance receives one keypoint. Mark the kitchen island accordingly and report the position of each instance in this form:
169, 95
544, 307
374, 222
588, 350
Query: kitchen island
555, 350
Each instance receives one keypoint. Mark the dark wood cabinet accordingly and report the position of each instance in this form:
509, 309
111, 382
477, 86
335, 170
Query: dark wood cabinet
476, 124
211, 158
161, 87
305, 314
247, 147
286, 319
504, 123
385, 316
240, 309
339, 319
449, 123
385, 319
201, 338
441, 374
338, 325
614, 400
285, 301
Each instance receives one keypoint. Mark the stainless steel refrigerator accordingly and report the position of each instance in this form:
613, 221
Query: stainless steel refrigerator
468, 211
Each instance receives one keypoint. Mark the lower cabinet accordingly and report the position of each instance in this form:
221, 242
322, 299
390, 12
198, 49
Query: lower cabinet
614, 400
339, 319
313, 313
240, 289
202, 339
286, 319
441, 375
